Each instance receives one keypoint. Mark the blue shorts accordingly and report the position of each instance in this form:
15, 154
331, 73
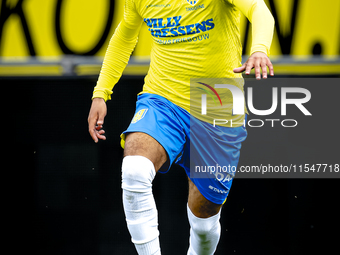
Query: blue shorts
208, 154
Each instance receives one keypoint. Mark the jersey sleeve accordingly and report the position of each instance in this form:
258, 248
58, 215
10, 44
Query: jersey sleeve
262, 23
119, 51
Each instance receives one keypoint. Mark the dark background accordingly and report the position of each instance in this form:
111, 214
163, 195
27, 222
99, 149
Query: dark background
70, 186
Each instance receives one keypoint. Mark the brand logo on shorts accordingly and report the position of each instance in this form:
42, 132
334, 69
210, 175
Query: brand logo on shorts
192, 2
139, 115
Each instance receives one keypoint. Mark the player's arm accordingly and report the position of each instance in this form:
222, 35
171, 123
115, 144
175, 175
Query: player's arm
262, 33
116, 58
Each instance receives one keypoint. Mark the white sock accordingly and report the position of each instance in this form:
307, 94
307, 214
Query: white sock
204, 234
139, 205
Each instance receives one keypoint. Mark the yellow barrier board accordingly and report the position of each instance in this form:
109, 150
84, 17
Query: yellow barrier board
84, 27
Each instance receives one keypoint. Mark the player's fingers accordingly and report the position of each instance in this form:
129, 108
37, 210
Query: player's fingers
249, 66
258, 69
101, 132
100, 120
100, 135
93, 135
271, 68
92, 128
240, 69
264, 70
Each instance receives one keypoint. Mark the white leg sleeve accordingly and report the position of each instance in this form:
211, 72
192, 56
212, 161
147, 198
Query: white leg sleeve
204, 234
140, 210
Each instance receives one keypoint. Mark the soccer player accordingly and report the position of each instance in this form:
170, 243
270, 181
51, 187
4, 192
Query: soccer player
191, 39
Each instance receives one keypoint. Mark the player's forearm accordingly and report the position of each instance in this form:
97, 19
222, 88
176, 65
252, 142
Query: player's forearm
116, 58
263, 28
262, 24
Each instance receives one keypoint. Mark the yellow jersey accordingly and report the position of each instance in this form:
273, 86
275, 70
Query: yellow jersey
192, 39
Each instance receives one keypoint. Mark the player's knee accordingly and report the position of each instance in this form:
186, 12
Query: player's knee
138, 173
204, 226
140, 209
202, 230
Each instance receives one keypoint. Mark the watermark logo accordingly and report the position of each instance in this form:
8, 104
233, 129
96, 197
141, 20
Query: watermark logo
204, 96
289, 129
238, 100
234, 100
222, 173
237, 94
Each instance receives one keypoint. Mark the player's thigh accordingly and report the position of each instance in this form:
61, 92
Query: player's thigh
142, 144
199, 205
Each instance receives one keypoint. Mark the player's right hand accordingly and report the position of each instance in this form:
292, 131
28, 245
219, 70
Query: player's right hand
96, 119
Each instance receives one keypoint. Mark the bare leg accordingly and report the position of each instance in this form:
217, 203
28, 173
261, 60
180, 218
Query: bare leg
199, 205
142, 144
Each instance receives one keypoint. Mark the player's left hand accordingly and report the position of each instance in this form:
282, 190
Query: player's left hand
257, 60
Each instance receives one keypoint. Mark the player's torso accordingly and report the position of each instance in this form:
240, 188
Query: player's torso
191, 40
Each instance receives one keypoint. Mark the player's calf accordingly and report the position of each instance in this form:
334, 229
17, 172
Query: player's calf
204, 234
